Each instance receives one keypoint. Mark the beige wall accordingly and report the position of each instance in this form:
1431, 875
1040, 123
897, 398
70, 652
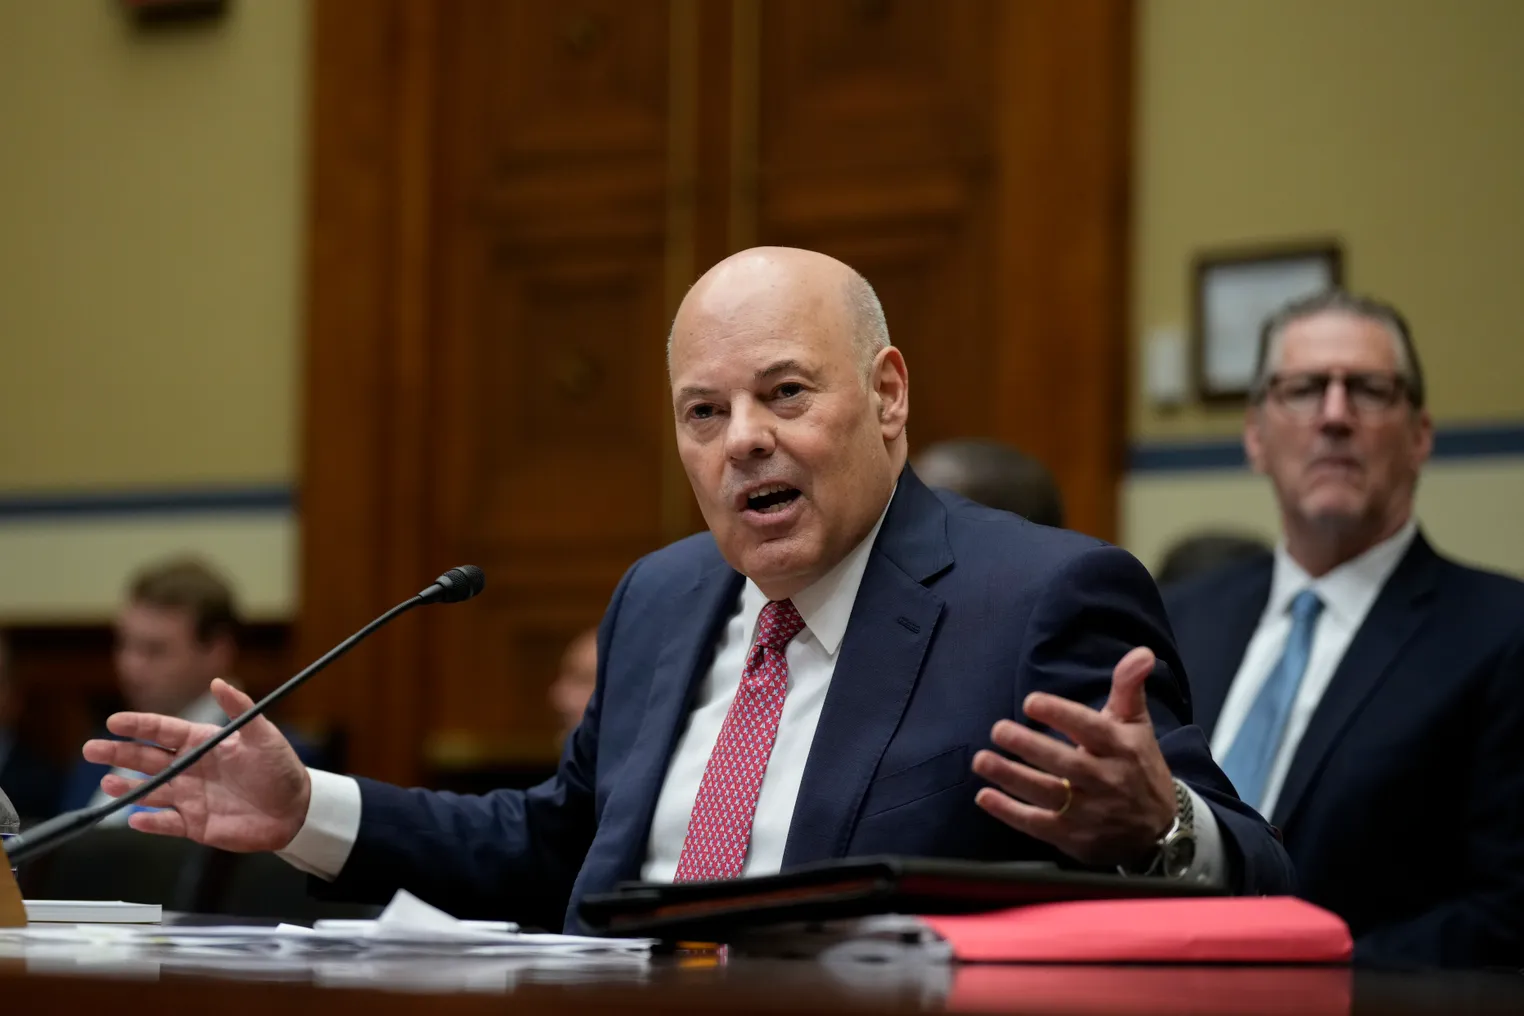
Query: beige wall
151, 224
1397, 125
150, 196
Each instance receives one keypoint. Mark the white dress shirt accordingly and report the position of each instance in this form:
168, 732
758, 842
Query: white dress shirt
333, 817
1348, 593
825, 606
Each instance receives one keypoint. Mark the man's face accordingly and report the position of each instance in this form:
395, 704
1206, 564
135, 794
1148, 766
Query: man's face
160, 663
786, 443
574, 684
1341, 462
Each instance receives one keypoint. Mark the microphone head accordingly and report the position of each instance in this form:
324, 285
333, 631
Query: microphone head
456, 584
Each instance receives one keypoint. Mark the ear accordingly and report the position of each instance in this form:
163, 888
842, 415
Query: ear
1254, 446
889, 389
1423, 445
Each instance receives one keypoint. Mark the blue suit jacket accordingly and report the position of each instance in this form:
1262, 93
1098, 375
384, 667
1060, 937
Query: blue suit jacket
1404, 805
962, 612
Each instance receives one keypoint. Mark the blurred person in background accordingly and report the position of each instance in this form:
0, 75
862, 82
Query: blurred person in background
1365, 693
1206, 551
28, 779
995, 475
176, 632
574, 683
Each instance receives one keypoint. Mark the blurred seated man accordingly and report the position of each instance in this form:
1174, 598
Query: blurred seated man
1207, 551
1362, 691
176, 633
28, 779
996, 476
574, 683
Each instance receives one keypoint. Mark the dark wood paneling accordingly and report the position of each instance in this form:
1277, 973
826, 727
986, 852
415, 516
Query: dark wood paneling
364, 494
550, 376
1063, 88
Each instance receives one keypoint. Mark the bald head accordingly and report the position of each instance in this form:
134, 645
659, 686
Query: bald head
763, 272
790, 407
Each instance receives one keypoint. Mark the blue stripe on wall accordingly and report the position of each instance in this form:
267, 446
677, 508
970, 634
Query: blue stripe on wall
120, 504
1450, 443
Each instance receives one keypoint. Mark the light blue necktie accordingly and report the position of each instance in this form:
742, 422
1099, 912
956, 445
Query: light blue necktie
1252, 754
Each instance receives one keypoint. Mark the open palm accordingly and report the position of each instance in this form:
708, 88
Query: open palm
250, 793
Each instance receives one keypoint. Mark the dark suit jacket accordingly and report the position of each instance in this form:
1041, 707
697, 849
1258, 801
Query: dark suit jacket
1404, 806
962, 612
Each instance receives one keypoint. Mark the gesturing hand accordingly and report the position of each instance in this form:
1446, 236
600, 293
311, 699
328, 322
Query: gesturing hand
1119, 797
250, 793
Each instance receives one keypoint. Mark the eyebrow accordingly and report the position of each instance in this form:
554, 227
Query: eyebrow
783, 367
766, 373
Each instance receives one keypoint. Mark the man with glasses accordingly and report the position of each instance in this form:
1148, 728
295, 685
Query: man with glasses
1363, 692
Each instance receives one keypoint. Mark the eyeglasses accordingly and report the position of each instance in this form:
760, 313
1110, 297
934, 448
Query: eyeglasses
1367, 392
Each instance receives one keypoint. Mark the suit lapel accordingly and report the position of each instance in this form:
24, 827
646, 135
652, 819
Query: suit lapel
891, 627
1394, 619
685, 656
1210, 674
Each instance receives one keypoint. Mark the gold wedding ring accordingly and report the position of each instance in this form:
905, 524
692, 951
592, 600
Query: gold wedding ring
1068, 796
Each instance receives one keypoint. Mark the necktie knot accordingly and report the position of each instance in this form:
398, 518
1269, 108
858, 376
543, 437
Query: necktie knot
778, 624
1305, 606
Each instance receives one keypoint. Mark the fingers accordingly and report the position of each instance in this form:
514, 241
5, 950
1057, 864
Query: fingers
170, 731
160, 823
1127, 701
1038, 823
144, 758
116, 786
1048, 754
1095, 732
235, 701
1022, 781
232, 700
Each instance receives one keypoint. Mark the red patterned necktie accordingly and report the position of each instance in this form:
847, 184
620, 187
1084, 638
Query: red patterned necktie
719, 830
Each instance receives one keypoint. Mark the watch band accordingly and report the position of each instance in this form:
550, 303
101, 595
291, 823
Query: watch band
1183, 827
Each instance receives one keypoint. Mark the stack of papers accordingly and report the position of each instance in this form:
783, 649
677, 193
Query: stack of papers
407, 927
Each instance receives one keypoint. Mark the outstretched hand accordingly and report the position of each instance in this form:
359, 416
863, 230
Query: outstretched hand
249, 793
1119, 796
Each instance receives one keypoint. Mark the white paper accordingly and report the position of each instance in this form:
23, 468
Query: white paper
407, 927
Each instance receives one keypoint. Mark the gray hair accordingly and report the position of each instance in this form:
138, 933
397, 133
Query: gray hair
1340, 301
870, 331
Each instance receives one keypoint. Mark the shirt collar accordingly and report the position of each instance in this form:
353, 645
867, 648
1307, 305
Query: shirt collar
1347, 591
826, 604
204, 710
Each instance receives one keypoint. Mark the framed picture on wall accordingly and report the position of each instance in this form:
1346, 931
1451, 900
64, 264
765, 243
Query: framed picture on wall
1234, 292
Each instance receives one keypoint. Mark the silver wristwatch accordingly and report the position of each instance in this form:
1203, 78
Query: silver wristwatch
1176, 849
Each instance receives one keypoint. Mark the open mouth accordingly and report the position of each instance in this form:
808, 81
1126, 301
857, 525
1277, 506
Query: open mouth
767, 500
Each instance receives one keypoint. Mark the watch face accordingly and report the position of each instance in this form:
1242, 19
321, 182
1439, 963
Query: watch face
1178, 855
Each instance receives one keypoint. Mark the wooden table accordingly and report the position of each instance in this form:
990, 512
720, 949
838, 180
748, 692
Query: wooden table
700, 982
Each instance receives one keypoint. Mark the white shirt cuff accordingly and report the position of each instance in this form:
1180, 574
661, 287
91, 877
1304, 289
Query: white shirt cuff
1208, 866
331, 827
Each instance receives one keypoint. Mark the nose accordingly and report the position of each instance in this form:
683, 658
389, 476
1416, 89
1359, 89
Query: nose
750, 432
1336, 412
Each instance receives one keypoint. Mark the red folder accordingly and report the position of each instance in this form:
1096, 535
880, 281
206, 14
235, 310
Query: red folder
1151, 990
1246, 929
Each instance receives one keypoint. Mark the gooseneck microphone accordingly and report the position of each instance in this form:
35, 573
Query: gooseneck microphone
453, 586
